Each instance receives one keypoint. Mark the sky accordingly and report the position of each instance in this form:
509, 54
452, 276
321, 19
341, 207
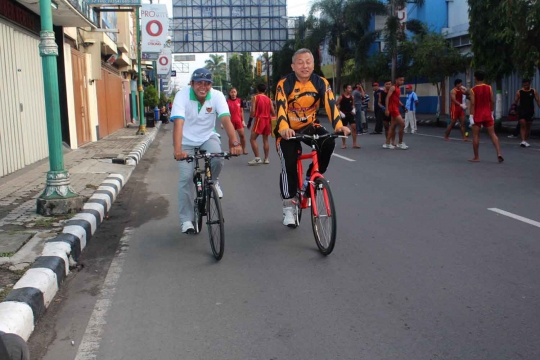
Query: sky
294, 8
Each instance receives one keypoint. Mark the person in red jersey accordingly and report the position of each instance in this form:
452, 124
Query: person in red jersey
236, 107
457, 109
482, 105
392, 110
262, 110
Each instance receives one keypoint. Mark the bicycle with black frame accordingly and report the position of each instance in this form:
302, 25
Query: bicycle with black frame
207, 202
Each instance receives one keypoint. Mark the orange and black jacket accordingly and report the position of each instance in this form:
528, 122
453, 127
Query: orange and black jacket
297, 103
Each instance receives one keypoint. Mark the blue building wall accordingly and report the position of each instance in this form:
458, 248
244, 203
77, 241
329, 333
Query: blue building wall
434, 13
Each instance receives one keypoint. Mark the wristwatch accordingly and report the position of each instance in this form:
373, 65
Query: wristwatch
236, 143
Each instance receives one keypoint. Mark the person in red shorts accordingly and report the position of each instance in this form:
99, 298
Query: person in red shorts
482, 105
236, 107
262, 110
392, 110
457, 109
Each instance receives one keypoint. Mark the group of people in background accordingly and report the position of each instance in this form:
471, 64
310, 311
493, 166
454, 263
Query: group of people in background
261, 112
353, 107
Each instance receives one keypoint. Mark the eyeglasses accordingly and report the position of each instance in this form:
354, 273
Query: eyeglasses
202, 75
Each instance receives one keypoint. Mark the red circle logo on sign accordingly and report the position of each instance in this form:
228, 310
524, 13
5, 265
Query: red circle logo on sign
149, 28
163, 60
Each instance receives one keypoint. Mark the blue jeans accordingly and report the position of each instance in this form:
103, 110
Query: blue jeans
186, 187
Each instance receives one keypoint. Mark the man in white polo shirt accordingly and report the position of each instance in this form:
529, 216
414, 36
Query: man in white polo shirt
194, 114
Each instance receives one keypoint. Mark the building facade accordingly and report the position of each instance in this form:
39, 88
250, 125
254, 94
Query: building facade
94, 73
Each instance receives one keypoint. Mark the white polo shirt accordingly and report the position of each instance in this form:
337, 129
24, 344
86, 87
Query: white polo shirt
199, 120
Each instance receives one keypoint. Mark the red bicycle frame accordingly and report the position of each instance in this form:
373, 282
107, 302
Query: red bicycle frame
314, 175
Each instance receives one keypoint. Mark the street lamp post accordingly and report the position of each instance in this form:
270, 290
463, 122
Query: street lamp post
58, 196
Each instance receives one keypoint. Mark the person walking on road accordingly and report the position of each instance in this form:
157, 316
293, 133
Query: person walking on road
194, 114
382, 106
457, 109
482, 105
298, 96
379, 113
392, 109
358, 95
345, 104
262, 110
363, 113
525, 98
410, 109
236, 107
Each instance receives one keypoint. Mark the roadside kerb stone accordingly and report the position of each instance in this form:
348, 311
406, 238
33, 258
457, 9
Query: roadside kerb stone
31, 295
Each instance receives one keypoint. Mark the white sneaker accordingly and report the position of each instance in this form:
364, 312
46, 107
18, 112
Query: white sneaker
512, 136
288, 217
256, 161
266, 161
388, 146
402, 146
218, 188
187, 227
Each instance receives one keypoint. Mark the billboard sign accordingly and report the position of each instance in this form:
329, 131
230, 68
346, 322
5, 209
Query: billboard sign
155, 27
164, 62
114, 2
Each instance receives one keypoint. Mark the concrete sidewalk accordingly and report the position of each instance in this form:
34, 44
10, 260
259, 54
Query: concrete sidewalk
48, 246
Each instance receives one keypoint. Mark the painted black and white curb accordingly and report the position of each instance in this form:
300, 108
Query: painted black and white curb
137, 153
31, 295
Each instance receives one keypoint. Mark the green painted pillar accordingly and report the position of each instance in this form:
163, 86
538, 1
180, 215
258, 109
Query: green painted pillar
142, 119
133, 87
58, 182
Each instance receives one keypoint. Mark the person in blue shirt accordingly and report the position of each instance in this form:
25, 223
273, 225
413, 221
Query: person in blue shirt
410, 109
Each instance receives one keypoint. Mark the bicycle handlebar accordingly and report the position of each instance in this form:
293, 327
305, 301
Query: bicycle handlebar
315, 136
226, 155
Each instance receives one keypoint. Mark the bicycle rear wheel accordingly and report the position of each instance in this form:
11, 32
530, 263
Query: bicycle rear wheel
323, 216
214, 217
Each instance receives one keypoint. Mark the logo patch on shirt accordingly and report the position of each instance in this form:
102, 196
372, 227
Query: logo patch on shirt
208, 109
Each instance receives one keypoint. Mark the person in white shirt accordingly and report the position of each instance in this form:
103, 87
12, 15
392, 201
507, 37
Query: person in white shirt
194, 114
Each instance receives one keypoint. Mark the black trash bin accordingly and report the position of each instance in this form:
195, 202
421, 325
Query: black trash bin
150, 120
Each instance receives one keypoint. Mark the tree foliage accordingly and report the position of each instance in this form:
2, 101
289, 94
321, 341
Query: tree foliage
492, 49
345, 24
151, 98
217, 67
241, 73
523, 34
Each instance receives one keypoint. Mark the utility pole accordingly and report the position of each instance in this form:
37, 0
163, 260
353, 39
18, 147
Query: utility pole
393, 46
58, 197
142, 123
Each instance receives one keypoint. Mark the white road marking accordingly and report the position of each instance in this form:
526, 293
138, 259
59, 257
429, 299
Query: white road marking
343, 157
89, 347
517, 217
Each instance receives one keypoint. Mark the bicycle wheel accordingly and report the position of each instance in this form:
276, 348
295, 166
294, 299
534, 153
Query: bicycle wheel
324, 222
214, 220
199, 213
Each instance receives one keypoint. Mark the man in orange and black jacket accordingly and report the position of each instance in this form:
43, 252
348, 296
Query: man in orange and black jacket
298, 96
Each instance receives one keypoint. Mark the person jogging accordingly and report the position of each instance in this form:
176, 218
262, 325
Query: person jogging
392, 109
298, 96
457, 109
262, 110
345, 104
525, 98
482, 105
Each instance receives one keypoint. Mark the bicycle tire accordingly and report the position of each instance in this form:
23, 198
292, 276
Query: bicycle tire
325, 223
214, 220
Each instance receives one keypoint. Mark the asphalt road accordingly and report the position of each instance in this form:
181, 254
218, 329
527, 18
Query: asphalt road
421, 269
